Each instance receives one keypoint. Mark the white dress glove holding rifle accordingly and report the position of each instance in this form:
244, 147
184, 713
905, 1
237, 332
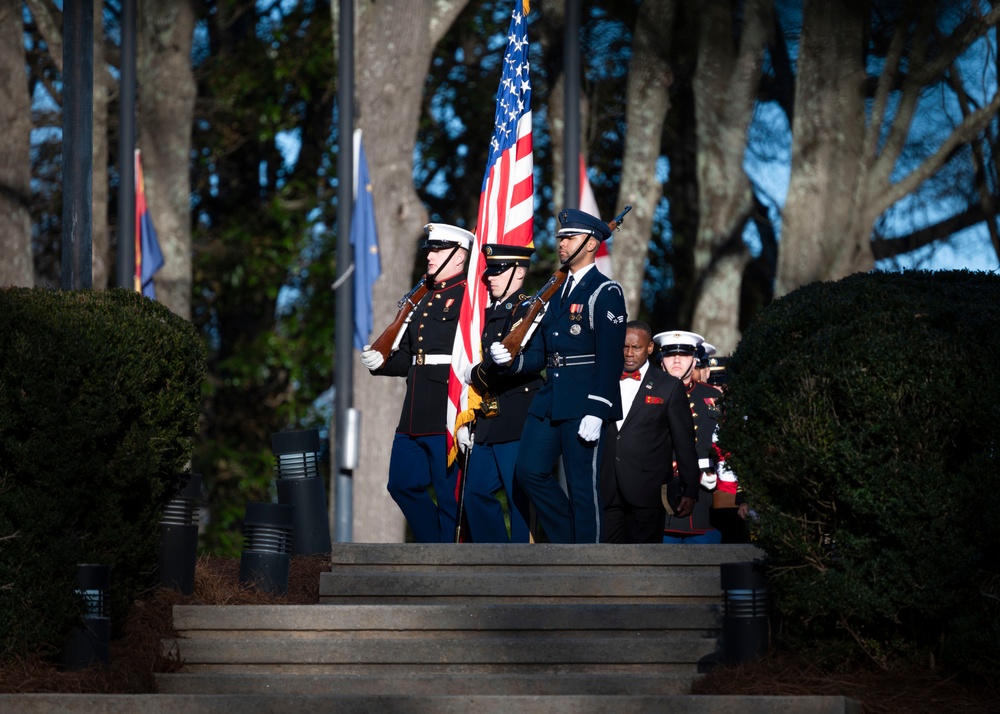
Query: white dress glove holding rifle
500, 354
371, 359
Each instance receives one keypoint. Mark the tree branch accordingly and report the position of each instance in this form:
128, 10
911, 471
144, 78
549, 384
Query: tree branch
49, 21
910, 95
886, 82
883, 248
442, 17
963, 134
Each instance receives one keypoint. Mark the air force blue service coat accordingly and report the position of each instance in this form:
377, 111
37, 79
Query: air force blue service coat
579, 343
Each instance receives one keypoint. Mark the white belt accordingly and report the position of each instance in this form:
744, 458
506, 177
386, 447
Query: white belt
422, 359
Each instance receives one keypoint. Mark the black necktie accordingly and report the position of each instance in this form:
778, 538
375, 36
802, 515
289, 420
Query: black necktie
566, 291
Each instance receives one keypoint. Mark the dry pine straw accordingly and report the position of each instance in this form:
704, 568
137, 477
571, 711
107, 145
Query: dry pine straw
136, 656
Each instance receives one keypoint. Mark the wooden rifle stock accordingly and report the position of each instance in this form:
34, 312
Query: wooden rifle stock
407, 303
518, 334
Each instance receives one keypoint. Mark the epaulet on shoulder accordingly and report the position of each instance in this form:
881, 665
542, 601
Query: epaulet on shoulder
710, 386
611, 284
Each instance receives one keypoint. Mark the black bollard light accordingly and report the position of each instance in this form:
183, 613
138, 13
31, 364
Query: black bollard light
267, 545
299, 484
745, 625
179, 537
89, 644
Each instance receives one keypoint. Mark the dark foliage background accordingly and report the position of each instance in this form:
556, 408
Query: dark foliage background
100, 395
863, 419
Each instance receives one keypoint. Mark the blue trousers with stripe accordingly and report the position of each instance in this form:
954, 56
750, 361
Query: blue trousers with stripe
573, 516
416, 463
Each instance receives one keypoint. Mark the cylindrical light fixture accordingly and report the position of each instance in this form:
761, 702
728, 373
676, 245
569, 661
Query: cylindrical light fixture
267, 544
745, 625
89, 644
300, 484
179, 537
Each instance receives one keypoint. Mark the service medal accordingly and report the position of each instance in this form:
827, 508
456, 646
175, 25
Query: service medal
576, 313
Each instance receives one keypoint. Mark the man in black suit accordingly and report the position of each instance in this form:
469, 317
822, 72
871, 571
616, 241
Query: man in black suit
655, 430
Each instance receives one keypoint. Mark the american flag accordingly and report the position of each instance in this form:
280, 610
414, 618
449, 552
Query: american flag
506, 205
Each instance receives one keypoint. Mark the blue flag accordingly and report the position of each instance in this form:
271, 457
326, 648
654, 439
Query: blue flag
364, 238
148, 256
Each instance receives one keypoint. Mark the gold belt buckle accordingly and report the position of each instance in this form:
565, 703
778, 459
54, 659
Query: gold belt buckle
490, 406
420, 359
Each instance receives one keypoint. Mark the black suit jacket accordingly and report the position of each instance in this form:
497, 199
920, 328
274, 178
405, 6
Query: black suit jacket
639, 458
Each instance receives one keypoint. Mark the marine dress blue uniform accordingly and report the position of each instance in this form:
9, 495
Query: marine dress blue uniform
419, 457
579, 343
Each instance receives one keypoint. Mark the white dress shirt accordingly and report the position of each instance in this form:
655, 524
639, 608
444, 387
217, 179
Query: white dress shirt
629, 388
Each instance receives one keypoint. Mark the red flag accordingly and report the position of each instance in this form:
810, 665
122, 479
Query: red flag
506, 205
589, 204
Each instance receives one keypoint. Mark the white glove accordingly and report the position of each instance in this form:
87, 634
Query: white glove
371, 359
709, 480
590, 428
467, 374
464, 438
500, 354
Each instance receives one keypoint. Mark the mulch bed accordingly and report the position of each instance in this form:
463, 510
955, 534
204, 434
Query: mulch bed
136, 656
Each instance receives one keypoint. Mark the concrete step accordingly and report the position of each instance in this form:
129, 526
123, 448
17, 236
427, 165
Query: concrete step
534, 556
527, 573
430, 685
458, 704
583, 586
487, 652
192, 620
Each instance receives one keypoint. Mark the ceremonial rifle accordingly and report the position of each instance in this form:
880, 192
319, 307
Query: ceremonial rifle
522, 330
388, 341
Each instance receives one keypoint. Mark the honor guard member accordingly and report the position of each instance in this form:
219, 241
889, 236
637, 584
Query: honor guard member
678, 354
419, 457
579, 343
703, 367
503, 409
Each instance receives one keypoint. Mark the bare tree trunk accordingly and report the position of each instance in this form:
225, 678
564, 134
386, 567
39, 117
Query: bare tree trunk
166, 92
17, 266
99, 198
825, 231
725, 85
647, 102
389, 88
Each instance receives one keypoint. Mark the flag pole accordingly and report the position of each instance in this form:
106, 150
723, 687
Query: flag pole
125, 253
345, 426
571, 78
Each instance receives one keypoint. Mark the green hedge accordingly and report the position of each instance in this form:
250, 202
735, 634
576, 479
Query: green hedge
863, 418
100, 394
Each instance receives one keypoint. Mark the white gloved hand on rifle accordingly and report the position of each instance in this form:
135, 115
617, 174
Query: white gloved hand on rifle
371, 359
500, 354
590, 428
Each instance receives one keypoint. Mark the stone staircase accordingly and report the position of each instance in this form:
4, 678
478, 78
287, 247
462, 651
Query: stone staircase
471, 620
484, 628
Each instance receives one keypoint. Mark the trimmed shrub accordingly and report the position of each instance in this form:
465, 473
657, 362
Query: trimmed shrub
100, 394
863, 417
